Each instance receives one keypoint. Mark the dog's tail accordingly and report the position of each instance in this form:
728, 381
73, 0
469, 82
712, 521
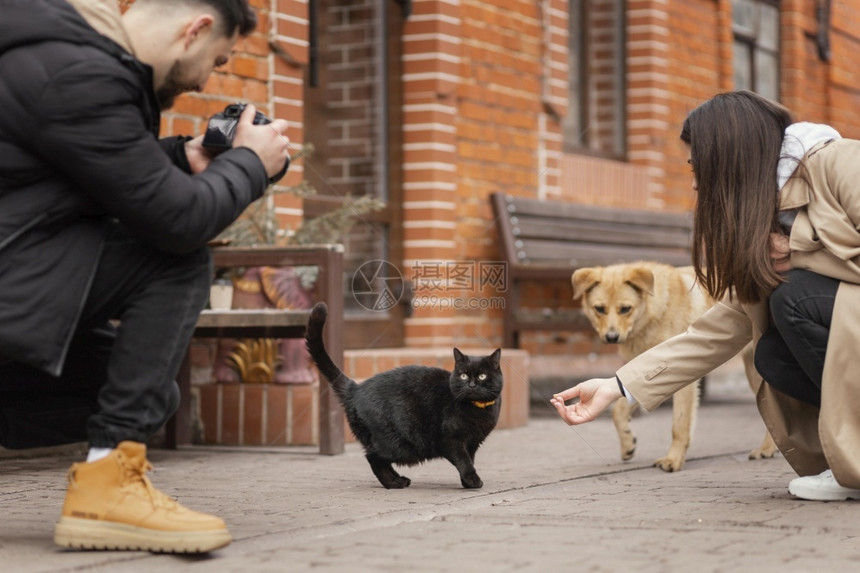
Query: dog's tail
339, 381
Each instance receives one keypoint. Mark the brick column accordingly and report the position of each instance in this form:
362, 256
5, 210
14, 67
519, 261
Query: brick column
648, 96
725, 40
554, 95
288, 29
796, 54
431, 76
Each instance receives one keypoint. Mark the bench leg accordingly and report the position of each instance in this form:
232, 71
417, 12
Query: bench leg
512, 302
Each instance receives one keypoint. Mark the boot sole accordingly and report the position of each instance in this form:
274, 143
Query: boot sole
76, 533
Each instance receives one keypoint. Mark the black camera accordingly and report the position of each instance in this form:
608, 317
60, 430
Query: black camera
222, 127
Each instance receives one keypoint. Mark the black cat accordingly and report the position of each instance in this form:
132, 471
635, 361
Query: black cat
416, 413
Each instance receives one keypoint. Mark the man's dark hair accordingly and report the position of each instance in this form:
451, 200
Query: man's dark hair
236, 15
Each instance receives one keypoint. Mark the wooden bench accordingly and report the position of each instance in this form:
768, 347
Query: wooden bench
548, 240
274, 323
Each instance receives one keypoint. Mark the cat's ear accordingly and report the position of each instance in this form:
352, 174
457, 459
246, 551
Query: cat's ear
458, 356
496, 357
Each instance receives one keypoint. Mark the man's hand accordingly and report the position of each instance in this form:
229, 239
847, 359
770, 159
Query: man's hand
594, 395
198, 157
267, 141
780, 253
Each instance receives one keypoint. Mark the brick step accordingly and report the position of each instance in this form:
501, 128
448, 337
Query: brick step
286, 414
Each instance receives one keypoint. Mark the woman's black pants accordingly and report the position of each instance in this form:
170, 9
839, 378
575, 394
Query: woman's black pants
790, 355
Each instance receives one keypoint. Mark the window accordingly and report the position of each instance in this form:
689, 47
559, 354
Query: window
596, 119
755, 24
352, 118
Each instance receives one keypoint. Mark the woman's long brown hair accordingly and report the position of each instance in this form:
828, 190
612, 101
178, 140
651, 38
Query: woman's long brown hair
735, 141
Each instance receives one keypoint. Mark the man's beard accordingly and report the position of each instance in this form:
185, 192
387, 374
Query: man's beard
173, 87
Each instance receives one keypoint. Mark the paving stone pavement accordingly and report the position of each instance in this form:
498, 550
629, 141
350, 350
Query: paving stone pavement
554, 498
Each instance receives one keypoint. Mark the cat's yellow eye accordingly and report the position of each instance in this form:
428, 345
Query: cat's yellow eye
482, 376
464, 376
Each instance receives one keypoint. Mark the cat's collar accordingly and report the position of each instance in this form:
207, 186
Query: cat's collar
483, 404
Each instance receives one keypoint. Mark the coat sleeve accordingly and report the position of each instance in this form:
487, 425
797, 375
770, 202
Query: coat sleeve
841, 171
825, 237
710, 341
90, 126
174, 147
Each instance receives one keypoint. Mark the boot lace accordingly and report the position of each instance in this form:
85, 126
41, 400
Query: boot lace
135, 479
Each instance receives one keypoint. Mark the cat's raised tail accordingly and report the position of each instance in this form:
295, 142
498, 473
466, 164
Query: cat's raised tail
339, 381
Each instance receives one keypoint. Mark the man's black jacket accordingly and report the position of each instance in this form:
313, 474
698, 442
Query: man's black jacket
79, 146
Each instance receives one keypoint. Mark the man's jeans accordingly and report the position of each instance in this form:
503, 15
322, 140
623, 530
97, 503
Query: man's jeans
118, 382
790, 355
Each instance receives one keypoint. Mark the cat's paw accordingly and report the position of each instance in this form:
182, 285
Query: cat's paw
471, 481
399, 482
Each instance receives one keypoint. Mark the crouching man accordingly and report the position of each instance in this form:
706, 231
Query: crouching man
104, 267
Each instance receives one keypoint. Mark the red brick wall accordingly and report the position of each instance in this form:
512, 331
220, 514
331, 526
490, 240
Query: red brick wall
285, 22
697, 42
813, 90
497, 128
432, 60
485, 91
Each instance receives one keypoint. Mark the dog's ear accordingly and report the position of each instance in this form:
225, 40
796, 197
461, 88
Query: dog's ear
583, 279
641, 278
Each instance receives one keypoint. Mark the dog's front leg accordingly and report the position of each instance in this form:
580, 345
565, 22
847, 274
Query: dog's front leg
767, 449
685, 402
622, 411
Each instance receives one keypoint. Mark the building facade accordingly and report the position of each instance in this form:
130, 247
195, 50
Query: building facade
431, 105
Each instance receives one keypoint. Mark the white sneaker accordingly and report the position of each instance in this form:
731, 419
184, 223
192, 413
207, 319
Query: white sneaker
822, 487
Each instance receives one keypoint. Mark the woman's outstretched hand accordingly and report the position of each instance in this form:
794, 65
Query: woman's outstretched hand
594, 395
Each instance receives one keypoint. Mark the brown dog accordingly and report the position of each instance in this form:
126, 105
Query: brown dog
637, 306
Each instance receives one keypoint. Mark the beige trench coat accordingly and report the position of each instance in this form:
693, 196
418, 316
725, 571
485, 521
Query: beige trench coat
824, 239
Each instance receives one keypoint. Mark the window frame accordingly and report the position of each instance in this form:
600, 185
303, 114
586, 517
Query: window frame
751, 39
580, 51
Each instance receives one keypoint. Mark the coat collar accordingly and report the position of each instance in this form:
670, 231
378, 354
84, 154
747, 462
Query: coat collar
796, 192
794, 195
105, 18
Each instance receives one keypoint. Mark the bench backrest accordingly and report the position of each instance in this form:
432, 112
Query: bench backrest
568, 236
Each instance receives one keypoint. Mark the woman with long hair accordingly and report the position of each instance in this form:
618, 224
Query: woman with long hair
776, 242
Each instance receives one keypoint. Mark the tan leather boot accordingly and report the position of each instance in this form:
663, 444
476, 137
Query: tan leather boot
111, 504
